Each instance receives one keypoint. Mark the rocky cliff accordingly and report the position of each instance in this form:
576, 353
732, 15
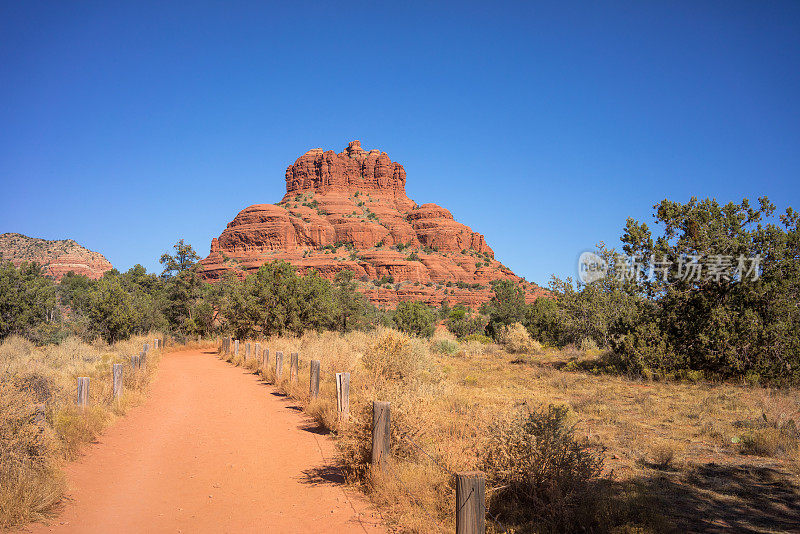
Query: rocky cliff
56, 257
350, 211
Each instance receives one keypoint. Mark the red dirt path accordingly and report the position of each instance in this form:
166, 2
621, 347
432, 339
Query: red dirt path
212, 449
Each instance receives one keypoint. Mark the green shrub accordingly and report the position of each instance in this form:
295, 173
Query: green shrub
445, 346
461, 323
415, 318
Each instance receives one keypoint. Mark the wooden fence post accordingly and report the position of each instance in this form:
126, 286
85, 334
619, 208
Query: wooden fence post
143, 360
294, 366
146, 347
343, 396
265, 359
246, 351
83, 391
278, 366
313, 388
257, 351
117, 371
470, 502
134, 362
381, 419
236, 347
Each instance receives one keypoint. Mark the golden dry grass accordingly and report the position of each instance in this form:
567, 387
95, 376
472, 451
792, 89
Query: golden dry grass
677, 454
31, 481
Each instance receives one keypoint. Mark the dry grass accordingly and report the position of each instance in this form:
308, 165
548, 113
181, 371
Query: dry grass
31, 482
678, 455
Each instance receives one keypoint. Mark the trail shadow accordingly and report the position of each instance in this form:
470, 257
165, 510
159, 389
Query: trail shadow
313, 427
209, 352
277, 393
731, 498
295, 408
326, 474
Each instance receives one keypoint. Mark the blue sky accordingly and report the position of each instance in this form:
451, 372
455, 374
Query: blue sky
129, 125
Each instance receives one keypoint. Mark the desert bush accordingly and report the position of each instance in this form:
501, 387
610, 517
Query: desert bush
444, 346
661, 455
415, 318
516, 339
588, 344
480, 338
461, 322
395, 356
545, 475
771, 438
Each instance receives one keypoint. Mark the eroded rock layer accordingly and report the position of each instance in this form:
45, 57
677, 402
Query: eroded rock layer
350, 211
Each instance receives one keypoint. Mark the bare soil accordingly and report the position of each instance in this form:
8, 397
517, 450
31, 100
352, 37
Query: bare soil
213, 449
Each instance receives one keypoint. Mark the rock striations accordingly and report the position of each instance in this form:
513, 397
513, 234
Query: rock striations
350, 211
57, 258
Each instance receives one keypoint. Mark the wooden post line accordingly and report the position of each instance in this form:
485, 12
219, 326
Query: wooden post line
257, 351
381, 419
470, 502
265, 359
278, 365
294, 366
83, 391
246, 351
343, 395
117, 381
313, 388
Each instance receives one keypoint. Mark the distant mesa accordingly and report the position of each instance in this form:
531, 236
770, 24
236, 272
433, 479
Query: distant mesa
350, 211
57, 258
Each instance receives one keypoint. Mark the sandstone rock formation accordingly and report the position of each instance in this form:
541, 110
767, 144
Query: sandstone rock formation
350, 211
56, 257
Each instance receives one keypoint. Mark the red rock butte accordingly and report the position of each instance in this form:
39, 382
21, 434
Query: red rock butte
57, 257
349, 211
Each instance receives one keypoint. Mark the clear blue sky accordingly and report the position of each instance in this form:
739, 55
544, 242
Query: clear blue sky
129, 125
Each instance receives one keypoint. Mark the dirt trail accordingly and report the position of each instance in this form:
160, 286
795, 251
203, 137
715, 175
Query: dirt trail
212, 450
